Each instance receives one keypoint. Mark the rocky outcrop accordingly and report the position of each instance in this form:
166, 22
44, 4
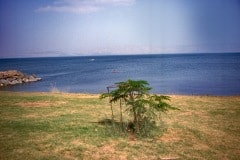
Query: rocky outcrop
13, 77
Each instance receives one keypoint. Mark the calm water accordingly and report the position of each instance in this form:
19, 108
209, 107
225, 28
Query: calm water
214, 74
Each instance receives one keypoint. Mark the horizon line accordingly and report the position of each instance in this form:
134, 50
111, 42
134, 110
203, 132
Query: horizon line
132, 54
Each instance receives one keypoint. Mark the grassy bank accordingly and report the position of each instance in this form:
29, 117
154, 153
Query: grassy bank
65, 126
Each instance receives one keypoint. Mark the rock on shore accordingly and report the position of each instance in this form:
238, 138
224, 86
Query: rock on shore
13, 77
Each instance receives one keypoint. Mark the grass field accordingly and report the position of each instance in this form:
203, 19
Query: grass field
65, 126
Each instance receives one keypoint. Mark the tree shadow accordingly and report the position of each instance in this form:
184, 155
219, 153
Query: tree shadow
115, 128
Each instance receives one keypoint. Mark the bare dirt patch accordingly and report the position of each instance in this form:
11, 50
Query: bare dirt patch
40, 104
172, 135
107, 151
79, 95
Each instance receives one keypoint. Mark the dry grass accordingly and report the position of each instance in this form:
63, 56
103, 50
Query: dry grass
64, 126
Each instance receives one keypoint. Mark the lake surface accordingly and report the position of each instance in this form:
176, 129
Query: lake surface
198, 74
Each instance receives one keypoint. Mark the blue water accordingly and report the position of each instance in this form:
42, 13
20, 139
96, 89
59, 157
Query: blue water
201, 74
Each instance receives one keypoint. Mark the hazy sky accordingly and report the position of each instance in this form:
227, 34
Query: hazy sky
35, 28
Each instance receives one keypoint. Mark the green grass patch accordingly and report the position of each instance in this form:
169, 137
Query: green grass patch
67, 126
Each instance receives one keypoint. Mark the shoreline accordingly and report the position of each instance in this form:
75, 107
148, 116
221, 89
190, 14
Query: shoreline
98, 94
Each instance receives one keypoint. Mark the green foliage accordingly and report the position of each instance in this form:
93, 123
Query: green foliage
143, 107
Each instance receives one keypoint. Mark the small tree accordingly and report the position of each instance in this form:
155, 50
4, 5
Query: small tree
144, 107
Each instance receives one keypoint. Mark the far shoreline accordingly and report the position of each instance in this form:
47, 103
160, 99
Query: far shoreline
104, 55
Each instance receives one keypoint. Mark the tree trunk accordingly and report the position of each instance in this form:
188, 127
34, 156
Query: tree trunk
121, 118
135, 119
112, 113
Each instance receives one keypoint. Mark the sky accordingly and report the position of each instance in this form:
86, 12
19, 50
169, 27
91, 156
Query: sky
43, 28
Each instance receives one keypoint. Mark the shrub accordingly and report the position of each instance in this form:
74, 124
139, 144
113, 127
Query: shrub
144, 107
